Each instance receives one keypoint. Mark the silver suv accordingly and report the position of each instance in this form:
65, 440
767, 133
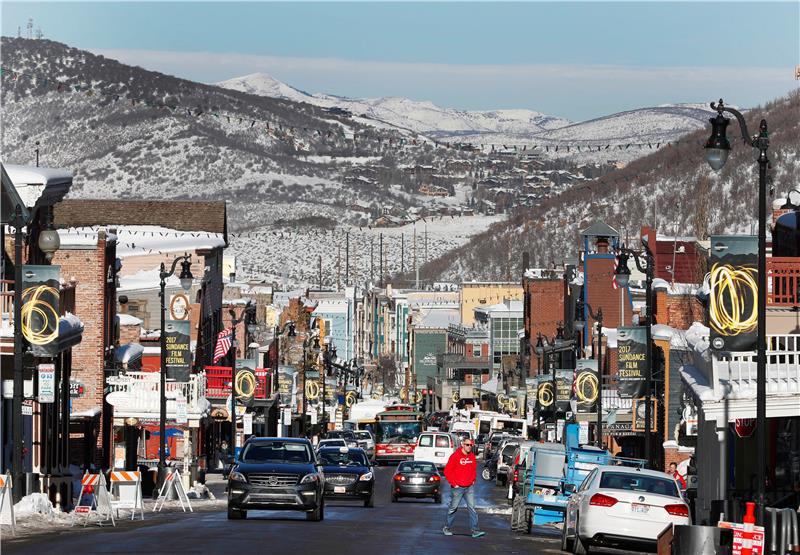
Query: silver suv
366, 442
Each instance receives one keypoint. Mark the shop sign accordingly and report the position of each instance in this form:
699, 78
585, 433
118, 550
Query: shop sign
639, 413
47, 383
27, 407
620, 429
76, 388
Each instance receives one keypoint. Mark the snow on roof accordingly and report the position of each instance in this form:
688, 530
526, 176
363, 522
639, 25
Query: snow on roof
541, 273
69, 323
145, 279
33, 184
128, 352
128, 320
86, 413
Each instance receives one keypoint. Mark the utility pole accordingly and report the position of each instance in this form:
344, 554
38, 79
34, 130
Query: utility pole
402, 253
347, 259
319, 271
338, 267
381, 259
371, 260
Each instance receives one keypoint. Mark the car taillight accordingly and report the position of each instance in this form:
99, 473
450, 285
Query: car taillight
516, 475
399, 478
677, 510
601, 500
434, 478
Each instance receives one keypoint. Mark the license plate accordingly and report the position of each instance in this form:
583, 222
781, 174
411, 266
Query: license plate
416, 480
440, 453
637, 508
339, 489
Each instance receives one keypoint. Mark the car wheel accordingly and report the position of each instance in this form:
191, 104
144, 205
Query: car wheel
486, 474
528, 521
316, 514
394, 499
437, 498
579, 545
236, 514
369, 503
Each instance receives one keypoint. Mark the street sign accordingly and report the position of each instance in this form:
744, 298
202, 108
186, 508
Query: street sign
47, 383
247, 424
745, 426
181, 416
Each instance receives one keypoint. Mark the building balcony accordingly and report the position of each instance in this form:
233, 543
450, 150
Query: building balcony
218, 383
138, 395
783, 289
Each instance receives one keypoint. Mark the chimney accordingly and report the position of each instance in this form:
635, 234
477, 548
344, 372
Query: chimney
602, 245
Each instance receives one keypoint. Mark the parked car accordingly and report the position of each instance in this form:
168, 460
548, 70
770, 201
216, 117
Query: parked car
348, 474
505, 460
349, 436
618, 506
417, 479
435, 447
276, 473
367, 442
492, 443
333, 442
480, 443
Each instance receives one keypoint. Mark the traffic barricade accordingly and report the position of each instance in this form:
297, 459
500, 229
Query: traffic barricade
94, 488
126, 490
172, 484
7, 517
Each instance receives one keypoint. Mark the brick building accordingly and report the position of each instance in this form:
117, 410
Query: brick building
543, 309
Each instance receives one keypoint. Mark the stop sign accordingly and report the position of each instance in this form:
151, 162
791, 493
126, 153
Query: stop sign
745, 426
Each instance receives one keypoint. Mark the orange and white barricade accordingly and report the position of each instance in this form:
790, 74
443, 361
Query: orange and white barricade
172, 483
126, 491
100, 504
7, 517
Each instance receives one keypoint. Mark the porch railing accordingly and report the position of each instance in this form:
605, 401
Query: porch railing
783, 366
218, 382
141, 392
784, 280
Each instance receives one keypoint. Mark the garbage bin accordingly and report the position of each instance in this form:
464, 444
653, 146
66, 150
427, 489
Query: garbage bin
702, 540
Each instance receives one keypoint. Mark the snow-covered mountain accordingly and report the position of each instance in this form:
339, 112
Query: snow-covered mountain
419, 116
654, 125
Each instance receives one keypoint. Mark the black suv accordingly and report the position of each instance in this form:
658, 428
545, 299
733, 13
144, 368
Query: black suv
347, 474
276, 473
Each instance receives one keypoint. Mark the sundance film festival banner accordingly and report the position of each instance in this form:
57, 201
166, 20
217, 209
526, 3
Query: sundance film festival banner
178, 355
733, 299
587, 384
545, 393
563, 389
41, 291
632, 349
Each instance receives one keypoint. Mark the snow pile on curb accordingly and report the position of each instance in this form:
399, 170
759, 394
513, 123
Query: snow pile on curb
495, 510
200, 491
35, 504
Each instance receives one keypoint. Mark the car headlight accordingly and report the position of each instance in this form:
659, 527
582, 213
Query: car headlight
310, 479
366, 477
237, 476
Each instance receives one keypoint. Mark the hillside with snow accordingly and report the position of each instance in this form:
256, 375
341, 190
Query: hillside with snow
633, 133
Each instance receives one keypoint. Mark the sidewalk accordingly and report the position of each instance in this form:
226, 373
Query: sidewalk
38, 518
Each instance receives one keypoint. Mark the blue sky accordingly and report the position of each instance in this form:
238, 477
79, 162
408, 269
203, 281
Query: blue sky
576, 60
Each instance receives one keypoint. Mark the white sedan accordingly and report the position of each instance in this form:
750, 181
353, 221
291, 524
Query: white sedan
619, 506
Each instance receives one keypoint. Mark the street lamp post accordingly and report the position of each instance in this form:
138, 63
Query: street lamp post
314, 337
16, 403
717, 149
186, 283
598, 317
248, 315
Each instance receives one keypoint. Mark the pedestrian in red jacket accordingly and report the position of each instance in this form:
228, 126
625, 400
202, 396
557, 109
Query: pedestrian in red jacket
460, 472
673, 471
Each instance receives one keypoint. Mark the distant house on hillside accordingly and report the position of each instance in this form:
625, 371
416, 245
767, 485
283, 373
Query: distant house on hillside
433, 191
387, 220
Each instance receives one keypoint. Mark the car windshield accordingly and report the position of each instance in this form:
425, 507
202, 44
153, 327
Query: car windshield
639, 482
417, 467
398, 431
337, 458
344, 434
363, 435
276, 451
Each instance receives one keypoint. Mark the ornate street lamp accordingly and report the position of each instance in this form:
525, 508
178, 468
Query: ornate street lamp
186, 283
717, 149
598, 318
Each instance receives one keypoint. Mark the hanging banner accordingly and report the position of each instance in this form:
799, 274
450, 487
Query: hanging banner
41, 290
285, 381
531, 389
47, 383
632, 350
563, 389
246, 381
545, 393
587, 384
178, 356
640, 414
733, 298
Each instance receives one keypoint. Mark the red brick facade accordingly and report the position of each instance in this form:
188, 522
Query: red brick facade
600, 292
130, 334
678, 311
544, 302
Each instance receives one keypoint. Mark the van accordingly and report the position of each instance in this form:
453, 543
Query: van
435, 447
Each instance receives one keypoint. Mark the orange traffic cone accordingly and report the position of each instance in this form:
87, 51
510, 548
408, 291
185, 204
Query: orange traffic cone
749, 521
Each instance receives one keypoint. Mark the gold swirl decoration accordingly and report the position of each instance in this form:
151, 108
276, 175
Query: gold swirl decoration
731, 290
456, 397
545, 394
350, 398
245, 384
36, 311
587, 387
312, 390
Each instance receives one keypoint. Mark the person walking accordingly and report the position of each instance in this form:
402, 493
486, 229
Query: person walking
460, 472
673, 471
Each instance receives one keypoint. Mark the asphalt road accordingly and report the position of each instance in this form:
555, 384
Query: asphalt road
409, 526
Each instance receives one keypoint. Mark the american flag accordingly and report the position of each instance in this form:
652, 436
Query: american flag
223, 344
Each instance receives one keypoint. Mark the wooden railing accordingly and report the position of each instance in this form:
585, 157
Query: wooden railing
784, 276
